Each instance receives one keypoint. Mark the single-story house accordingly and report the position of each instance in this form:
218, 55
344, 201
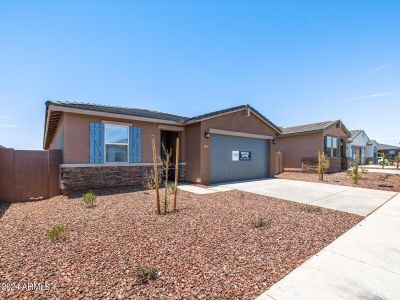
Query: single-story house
300, 145
360, 145
391, 152
371, 152
105, 146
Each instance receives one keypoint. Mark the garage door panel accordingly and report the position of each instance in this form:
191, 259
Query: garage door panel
224, 169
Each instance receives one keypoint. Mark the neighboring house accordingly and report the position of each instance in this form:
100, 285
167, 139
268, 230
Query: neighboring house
357, 146
371, 152
391, 152
105, 146
300, 144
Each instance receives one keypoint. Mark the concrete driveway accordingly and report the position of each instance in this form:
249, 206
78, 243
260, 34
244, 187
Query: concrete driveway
363, 263
358, 201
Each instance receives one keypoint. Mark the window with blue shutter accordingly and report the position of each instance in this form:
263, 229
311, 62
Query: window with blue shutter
135, 149
96, 153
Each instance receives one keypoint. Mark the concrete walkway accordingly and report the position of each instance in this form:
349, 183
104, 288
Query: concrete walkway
364, 263
344, 198
378, 169
202, 190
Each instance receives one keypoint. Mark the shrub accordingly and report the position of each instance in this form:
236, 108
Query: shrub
261, 222
323, 165
171, 187
149, 181
311, 209
384, 177
57, 232
146, 273
89, 199
383, 160
355, 173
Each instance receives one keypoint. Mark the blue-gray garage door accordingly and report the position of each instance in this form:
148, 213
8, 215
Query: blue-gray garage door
237, 158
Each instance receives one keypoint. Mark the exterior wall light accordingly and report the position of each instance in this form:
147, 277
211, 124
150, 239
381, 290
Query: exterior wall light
207, 135
274, 141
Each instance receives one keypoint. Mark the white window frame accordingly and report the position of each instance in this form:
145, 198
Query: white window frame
120, 144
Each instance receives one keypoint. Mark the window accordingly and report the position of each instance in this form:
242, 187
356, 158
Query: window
116, 143
335, 147
331, 146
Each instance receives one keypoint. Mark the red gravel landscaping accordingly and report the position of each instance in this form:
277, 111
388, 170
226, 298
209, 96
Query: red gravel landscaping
209, 249
377, 181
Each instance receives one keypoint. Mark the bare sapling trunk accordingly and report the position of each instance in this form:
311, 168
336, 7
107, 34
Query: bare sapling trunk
176, 172
398, 158
356, 174
155, 168
167, 161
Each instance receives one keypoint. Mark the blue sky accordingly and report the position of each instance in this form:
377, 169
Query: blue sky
295, 62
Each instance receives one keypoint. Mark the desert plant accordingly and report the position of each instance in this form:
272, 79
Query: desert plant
311, 209
148, 180
354, 172
384, 177
260, 222
383, 161
166, 164
89, 199
57, 232
171, 188
164, 161
323, 165
146, 273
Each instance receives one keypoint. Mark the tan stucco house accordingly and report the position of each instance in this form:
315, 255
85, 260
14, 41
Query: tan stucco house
300, 145
104, 146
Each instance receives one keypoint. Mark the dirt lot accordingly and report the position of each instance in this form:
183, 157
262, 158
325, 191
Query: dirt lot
377, 181
209, 249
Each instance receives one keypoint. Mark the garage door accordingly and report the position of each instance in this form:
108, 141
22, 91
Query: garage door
237, 158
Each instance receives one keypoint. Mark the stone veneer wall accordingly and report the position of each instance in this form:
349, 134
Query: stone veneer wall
84, 178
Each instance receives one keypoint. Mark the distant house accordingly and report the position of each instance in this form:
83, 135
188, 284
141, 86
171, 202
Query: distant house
300, 144
389, 150
360, 145
371, 152
2, 146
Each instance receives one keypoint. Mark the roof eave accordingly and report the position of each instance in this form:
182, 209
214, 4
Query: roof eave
301, 133
255, 112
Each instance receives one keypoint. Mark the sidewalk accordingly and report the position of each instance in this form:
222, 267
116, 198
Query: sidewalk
364, 263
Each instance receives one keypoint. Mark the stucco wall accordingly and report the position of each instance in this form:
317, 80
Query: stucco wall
237, 121
193, 159
341, 134
297, 147
58, 139
76, 137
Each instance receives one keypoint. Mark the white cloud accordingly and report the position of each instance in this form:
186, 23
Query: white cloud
357, 98
379, 67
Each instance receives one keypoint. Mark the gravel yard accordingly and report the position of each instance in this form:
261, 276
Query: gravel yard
377, 181
209, 249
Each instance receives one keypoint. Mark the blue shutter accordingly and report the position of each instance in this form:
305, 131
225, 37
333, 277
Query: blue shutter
96, 143
135, 148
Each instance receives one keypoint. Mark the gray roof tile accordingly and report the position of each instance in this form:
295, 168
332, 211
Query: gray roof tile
153, 114
119, 110
307, 127
387, 147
